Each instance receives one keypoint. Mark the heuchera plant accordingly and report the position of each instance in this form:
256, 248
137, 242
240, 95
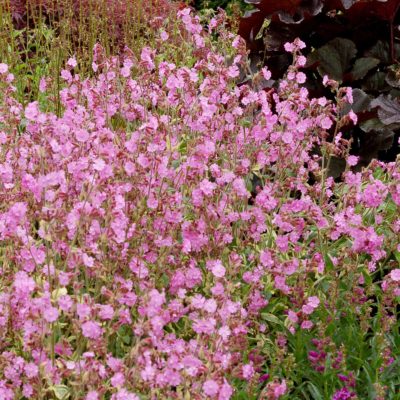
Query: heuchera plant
353, 42
136, 262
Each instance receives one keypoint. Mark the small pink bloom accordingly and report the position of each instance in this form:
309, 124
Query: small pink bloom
72, 62
92, 395
216, 268
289, 47
99, 164
51, 314
164, 36
395, 275
326, 123
352, 160
300, 77
266, 73
353, 116
248, 371
82, 135
306, 325
210, 388
3, 68
91, 330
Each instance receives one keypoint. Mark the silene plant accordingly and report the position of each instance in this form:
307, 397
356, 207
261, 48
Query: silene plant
169, 233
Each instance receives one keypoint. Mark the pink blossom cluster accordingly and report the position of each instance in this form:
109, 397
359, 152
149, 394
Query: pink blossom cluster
136, 257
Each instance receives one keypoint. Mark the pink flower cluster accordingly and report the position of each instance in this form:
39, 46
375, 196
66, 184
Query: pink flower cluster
134, 259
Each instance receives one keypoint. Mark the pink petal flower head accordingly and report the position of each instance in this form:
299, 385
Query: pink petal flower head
50, 314
352, 160
353, 116
313, 301
164, 36
280, 389
395, 275
82, 135
233, 71
306, 325
326, 123
266, 73
32, 111
3, 68
225, 392
216, 267
300, 77
92, 395
91, 330
72, 62
248, 371
210, 388
289, 47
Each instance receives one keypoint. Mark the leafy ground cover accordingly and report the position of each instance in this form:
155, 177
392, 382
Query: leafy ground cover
167, 233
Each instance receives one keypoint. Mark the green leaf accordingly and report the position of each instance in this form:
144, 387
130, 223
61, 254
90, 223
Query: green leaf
362, 66
61, 392
397, 255
271, 318
314, 391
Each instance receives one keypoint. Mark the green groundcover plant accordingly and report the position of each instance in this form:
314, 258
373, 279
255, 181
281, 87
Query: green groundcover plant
161, 237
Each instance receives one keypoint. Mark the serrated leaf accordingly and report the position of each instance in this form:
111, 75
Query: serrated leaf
372, 124
376, 82
362, 66
61, 392
389, 109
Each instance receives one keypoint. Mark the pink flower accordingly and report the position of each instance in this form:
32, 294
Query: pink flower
31, 370
352, 160
280, 389
226, 391
289, 47
92, 395
210, 388
216, 267
118, 380
326, 123
248, 371
207, 187
233, 71
395, 275
32, 111
99, 164
293, 316
3, 68
353, 116
266, 73
50, 314
313, 301
306, 325
72, 62
164, 36
91, 330
300, 77
240, 187
82, 135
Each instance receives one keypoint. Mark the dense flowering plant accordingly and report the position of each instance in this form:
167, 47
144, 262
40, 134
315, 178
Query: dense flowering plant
161, 239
